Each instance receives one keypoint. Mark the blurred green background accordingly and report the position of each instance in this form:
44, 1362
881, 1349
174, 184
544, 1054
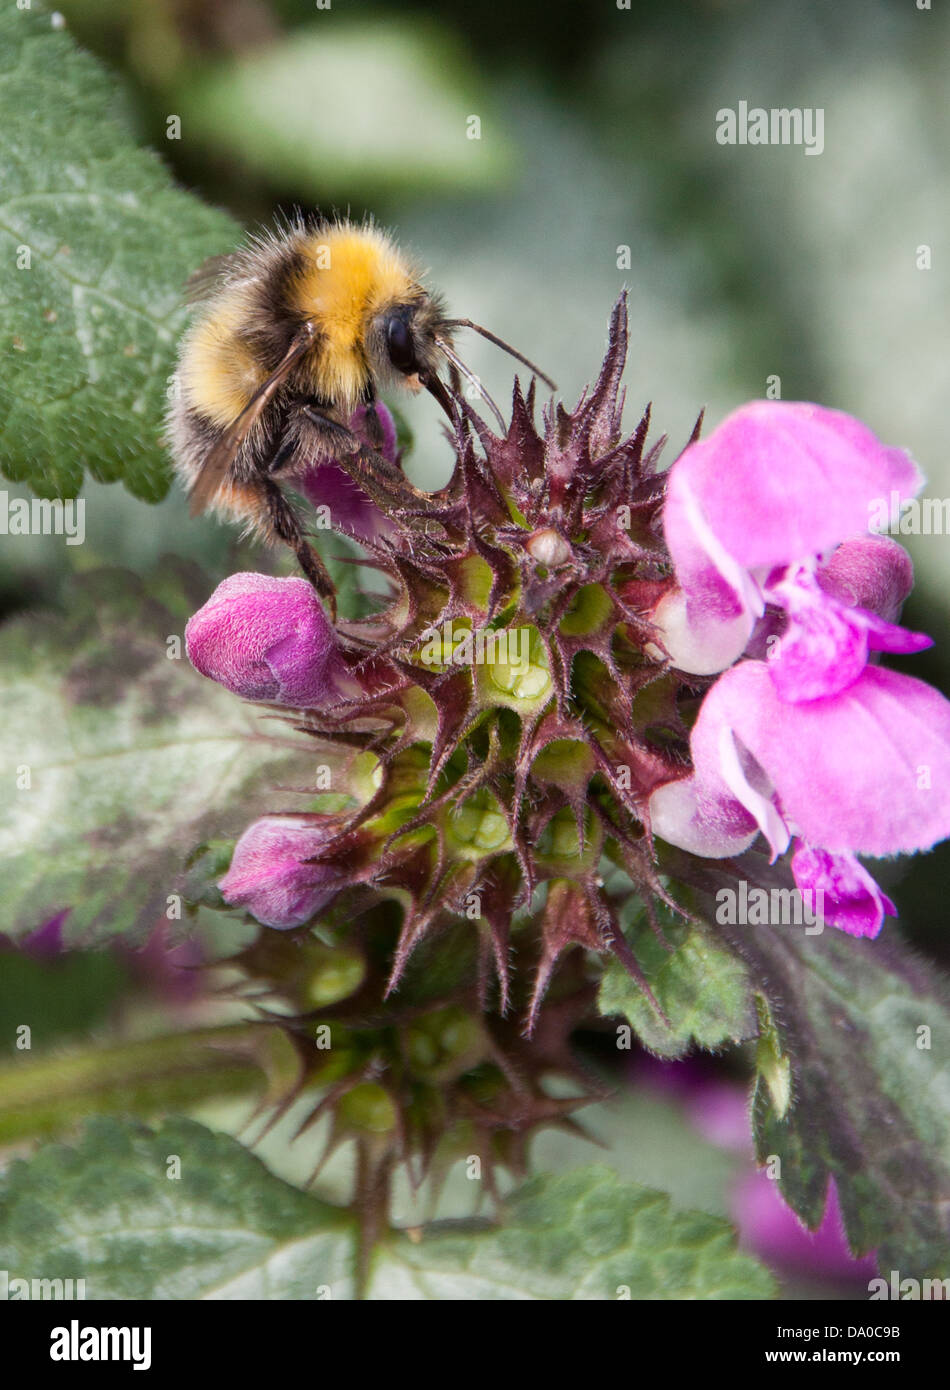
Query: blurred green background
597, 133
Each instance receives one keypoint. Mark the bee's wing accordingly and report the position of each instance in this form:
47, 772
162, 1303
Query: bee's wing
203, 282
219, 458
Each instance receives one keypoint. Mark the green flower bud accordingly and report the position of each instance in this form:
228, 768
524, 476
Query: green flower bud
367, 1109
445, 1043
335, 974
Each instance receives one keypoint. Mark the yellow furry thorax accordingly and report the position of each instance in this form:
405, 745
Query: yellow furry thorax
351, 273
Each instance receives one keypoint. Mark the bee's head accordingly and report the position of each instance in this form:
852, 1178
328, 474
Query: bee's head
410, 341
404, 343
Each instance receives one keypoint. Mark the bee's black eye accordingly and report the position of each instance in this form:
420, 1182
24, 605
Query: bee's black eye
399, 345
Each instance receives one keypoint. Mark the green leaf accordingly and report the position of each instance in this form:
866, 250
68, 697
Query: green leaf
107, 1211
701, 986
871, 1104
865, 1027
118, 759
582, 1235
771, 1064
89, 326
296, 111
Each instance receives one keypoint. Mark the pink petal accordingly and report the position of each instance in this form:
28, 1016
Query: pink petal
865, 771
824, 650
890, 637
683, 814
778, 481
750, 785
774, 484
702, 641
826, 644
773, 1231
325, 484
846, 895
351, 510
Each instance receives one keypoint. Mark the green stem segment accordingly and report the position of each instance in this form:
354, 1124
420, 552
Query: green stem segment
41, 1095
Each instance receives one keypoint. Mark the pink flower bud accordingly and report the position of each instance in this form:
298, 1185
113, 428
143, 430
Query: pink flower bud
872, 572
265, 639
269, 875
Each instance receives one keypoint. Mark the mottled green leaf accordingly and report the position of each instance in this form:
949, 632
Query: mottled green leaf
865, 1026
96, 244
107, 1211
701, 986
111, 1211
871, 1102
117, 759
582, 1235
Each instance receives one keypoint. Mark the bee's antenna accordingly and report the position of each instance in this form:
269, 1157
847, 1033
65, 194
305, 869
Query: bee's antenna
470, 376
505, 347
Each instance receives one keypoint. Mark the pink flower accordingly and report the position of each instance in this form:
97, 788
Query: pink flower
776, 487
266, 639
166, 967
866, 771
870, 572
827, 642
843, 772
856, 903
45, 942
812, 742
270, 875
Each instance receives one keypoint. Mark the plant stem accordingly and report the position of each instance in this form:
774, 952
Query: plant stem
43, 1094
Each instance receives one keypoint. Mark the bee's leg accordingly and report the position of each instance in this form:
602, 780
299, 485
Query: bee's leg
337, 438
383, 480
286, 527
283, 455
372, 426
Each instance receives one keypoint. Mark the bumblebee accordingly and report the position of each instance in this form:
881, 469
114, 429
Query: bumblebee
296, 329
